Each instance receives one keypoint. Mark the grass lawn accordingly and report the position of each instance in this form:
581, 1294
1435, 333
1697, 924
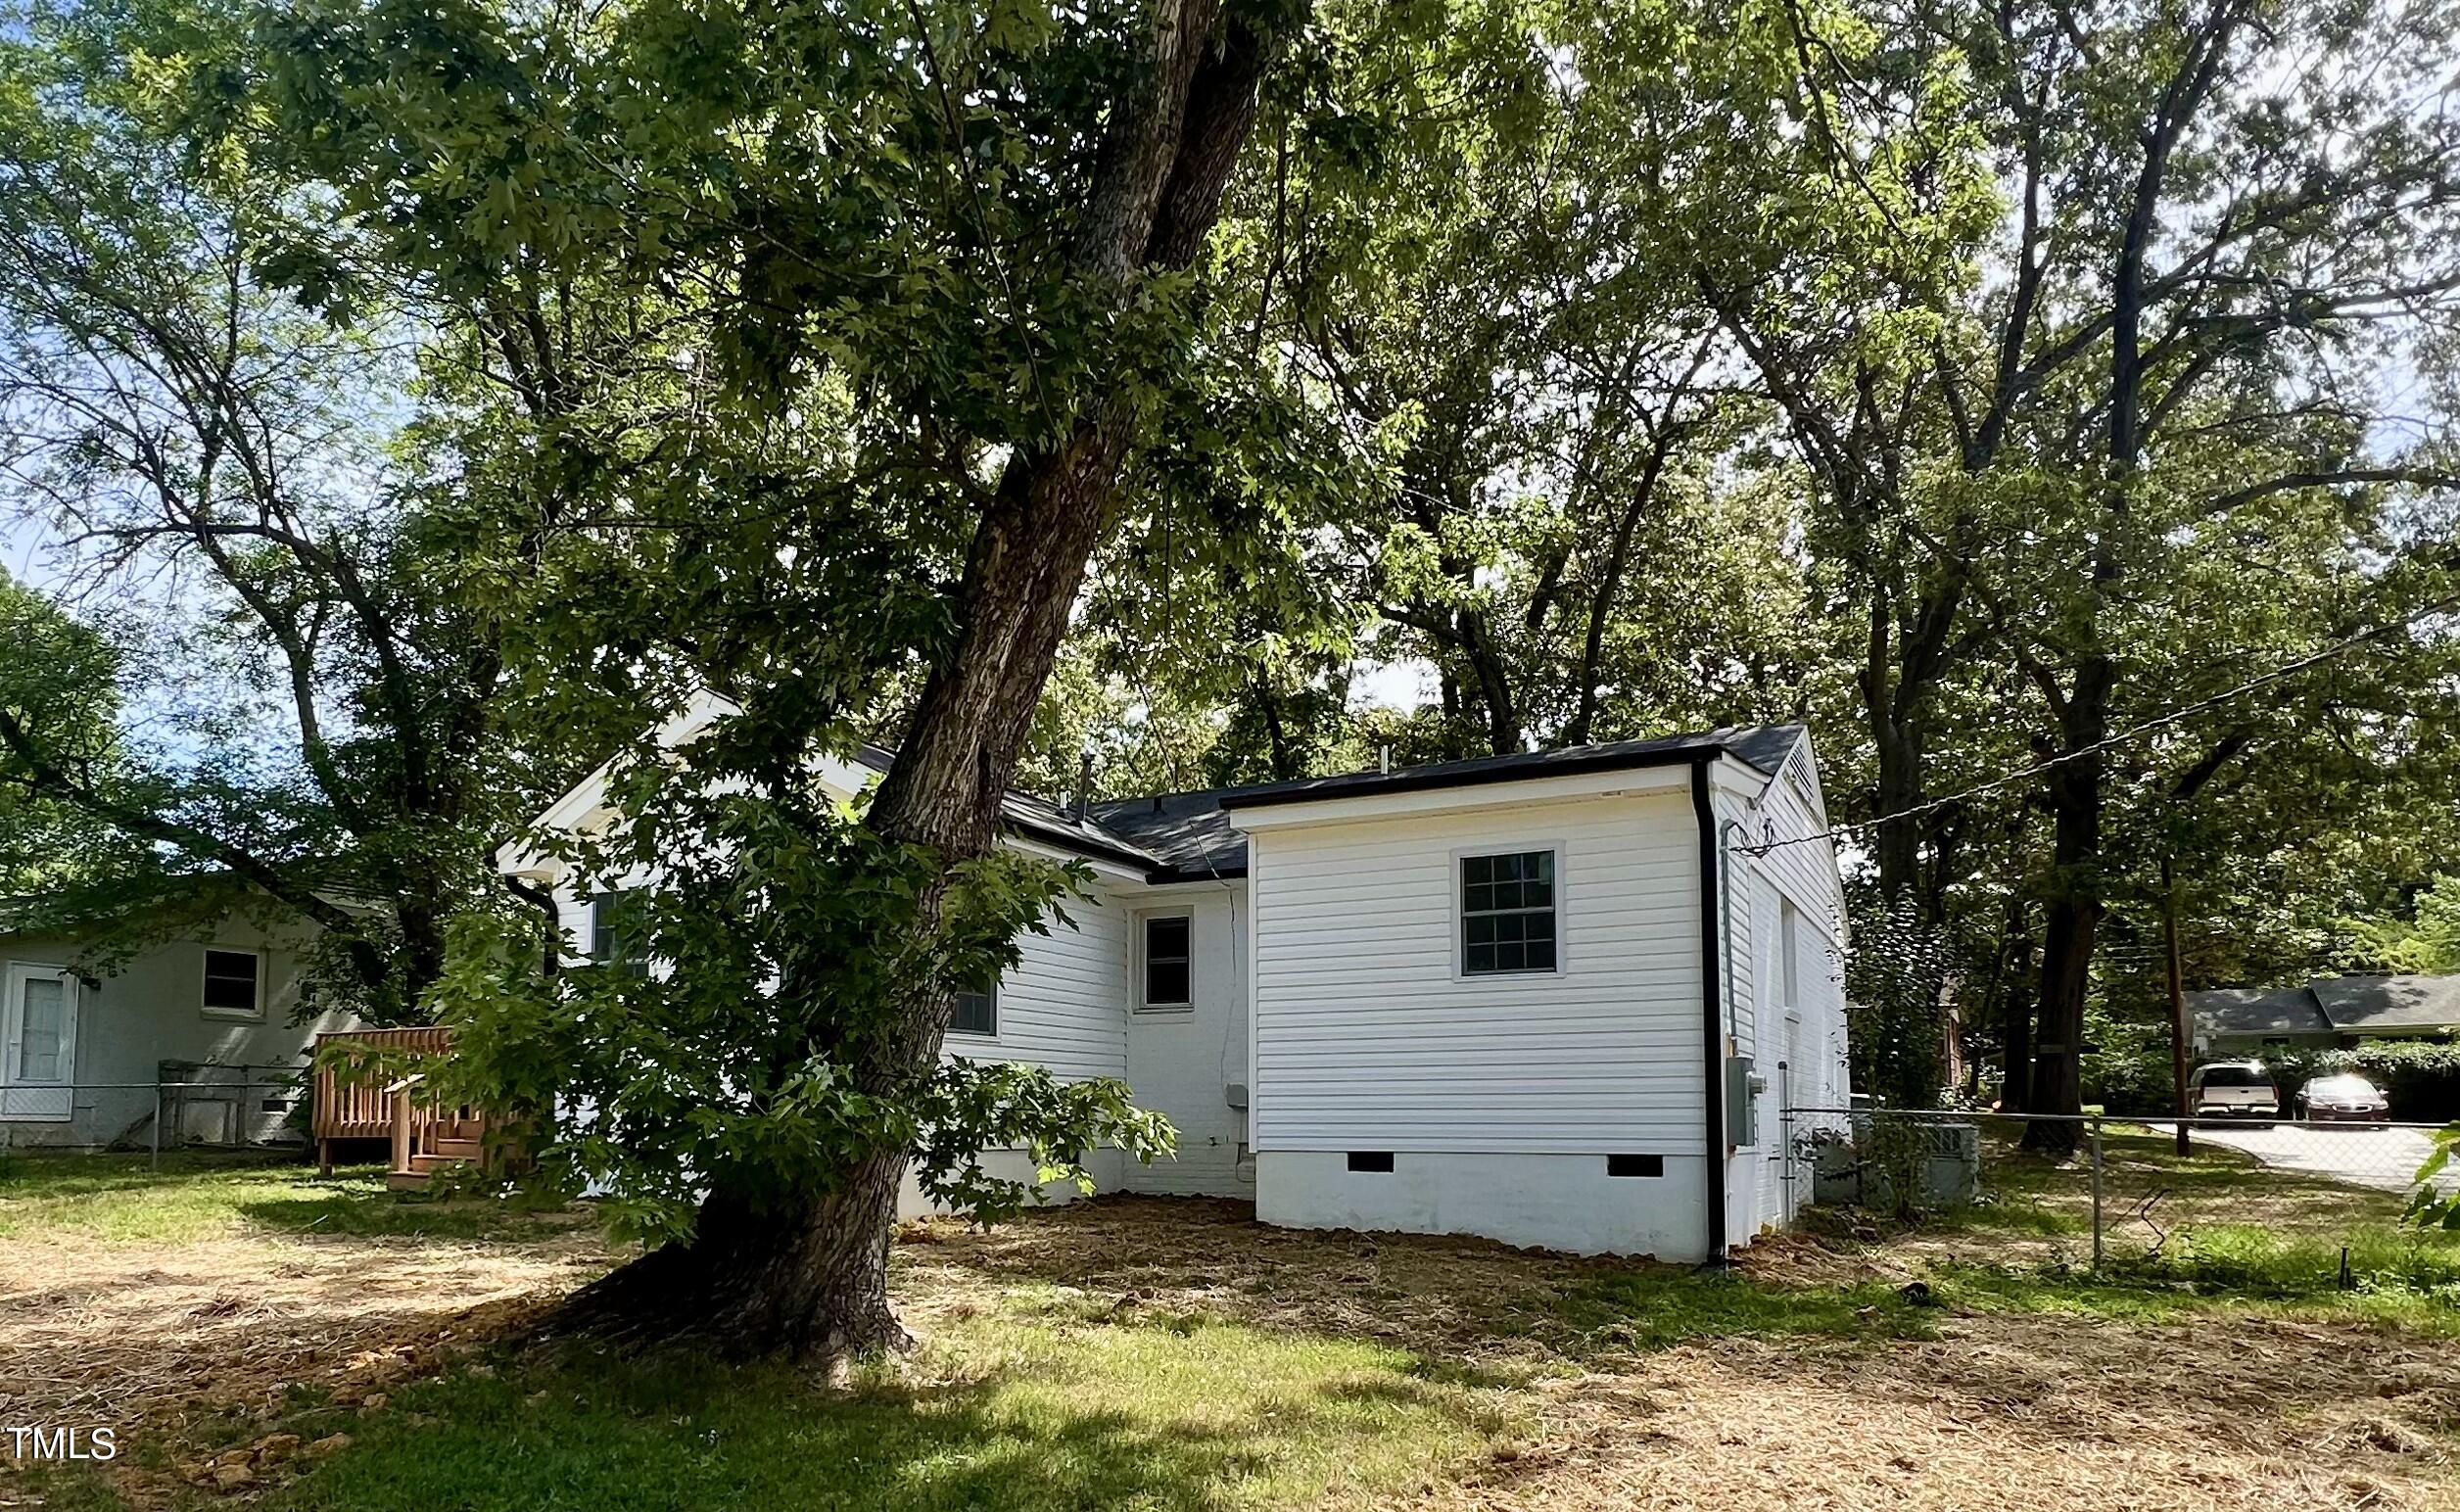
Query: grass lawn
266, 1337
122, 1199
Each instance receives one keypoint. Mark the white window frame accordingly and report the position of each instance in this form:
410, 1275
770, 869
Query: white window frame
1142, 981
1458, 923
255, 1014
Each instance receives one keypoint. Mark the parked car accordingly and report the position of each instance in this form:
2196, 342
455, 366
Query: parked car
2233, 1089
2343, 1097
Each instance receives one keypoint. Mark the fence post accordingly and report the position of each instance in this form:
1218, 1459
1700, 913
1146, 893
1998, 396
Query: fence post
2097, 1193
156, 1161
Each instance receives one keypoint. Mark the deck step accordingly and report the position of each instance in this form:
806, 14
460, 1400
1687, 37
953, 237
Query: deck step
458, 1148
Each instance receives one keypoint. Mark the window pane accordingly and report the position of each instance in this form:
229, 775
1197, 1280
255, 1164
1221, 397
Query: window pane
976, 1014
230, 980
1165, 939
1507, 911
1165, 981
40, 1030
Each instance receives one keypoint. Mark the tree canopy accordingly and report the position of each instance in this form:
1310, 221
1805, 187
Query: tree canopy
2049, 407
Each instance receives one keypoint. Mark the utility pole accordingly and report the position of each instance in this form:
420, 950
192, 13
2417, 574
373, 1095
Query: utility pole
2178, 1029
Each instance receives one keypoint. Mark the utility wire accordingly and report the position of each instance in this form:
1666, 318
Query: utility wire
2264, 680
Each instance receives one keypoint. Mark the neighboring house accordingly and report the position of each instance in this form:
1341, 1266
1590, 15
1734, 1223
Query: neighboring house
87, 1028
2327, 1012
1523, 997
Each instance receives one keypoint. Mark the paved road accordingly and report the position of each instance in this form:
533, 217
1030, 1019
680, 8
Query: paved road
2385, 1159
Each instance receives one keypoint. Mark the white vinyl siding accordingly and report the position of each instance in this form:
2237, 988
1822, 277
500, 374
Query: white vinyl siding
1183, 1063
1366, 1038
1064, 1004
976, 1013
1778, 979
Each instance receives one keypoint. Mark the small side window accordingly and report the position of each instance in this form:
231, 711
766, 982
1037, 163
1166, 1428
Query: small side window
977, 1012
1169, 968
234, 982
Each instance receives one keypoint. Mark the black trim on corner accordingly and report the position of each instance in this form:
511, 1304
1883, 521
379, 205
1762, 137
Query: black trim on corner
1712, 1011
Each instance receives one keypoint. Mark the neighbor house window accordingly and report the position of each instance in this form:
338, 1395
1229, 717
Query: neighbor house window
1169, 978
1508, 912
977, 1012
233, 983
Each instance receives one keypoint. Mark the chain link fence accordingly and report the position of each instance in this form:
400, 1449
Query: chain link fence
2235, 1201
189, 1105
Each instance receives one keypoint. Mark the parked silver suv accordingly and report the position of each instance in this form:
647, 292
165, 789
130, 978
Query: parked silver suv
2233, 1089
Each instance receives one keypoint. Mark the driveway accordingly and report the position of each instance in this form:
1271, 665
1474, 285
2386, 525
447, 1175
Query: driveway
2386, 1159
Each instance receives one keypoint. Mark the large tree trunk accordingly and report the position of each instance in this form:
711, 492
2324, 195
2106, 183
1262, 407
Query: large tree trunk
2074, 915
2015, 1011
810, 1280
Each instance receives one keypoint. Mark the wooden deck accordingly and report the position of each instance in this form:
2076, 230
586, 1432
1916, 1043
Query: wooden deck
390, 1104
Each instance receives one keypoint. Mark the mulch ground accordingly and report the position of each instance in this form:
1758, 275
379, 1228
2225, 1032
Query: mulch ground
1999, 1410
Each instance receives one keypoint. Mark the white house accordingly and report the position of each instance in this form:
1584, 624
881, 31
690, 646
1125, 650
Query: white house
1558, 999
88, 1028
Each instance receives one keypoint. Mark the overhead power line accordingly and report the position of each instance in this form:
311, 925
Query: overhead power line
2183, 711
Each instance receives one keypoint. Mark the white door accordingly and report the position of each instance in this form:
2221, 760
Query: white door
38, 1044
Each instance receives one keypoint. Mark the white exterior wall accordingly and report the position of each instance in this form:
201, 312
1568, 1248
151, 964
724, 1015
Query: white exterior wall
1182, 1061
1069, 1003
1064, 1004
1550, 1201
152, 1010
1799, 1046
1499, 1096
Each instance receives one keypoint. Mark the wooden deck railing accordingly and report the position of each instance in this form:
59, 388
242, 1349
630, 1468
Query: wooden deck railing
390, 1104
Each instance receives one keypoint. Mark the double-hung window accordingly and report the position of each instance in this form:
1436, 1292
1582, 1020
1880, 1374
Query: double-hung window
1510, 922
234, 984
1169, 973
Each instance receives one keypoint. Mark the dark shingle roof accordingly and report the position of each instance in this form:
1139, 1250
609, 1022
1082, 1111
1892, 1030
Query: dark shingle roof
1189, 831
1178, 837
2269, 1010
1765, 746
1046, 821
2345, 1005
2358, 1004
